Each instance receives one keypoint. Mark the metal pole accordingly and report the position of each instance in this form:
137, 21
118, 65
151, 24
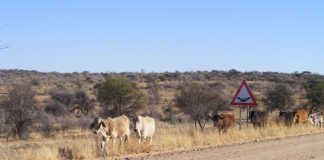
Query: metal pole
247, 115
240, 117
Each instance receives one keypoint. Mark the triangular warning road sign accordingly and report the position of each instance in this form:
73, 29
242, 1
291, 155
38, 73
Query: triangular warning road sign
243, 96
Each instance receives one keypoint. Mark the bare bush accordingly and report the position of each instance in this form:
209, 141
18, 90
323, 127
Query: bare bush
199, 101
279, 97
82, 101
62, 96
56, 109
35, 82
45, 122
66, 101
20, 109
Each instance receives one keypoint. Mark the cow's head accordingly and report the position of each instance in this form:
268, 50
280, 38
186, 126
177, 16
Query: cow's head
217, 118
138, 123
311, 119
98, 126
296, 118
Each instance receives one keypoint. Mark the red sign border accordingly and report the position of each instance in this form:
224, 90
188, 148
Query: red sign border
250, 93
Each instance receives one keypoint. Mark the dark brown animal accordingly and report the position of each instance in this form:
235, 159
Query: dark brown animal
287, 117
223, 122
258, 118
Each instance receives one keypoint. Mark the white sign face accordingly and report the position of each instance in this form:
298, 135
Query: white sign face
243, 96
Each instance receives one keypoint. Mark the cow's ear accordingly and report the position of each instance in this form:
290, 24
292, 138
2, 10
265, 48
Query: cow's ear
102, 123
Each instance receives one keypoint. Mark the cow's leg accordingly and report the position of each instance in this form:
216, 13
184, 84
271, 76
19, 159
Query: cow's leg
102, 146
139, 136
113, 142
126, 139
219, 130
319, 124
121, 140
139, 139
151, 139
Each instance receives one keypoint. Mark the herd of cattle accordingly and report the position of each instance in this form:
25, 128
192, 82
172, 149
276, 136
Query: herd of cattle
119, 127
144, 126
224, 121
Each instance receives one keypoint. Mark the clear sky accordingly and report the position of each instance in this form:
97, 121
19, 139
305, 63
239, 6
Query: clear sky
169, 35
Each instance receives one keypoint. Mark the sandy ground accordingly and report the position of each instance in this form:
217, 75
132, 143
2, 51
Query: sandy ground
308, 147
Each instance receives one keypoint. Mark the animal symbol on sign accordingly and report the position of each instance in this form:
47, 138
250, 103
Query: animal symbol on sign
243, 99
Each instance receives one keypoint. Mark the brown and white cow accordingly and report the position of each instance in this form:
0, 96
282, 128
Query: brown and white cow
112, 128
300, 116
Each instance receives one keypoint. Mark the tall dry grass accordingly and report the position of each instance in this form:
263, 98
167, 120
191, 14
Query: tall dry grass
80, 144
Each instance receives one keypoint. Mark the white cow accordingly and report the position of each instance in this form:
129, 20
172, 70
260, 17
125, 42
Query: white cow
316, 119
144, 127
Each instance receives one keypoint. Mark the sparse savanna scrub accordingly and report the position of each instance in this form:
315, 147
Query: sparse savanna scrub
49, 119
80, 144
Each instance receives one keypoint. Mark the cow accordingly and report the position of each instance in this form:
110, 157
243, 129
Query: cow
297, 117
144, 127
258, 118
316, 119
301, 116
112, 128
223, 121
287, 117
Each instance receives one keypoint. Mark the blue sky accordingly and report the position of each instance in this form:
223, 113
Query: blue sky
101, 36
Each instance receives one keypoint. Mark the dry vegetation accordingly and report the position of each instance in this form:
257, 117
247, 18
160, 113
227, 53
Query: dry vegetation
59, 133
78, 144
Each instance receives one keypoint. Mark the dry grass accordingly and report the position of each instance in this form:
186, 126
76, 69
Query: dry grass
76, 145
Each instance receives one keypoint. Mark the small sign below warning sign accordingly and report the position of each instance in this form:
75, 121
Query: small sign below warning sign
243, 96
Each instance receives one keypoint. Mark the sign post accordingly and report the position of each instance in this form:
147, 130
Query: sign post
243, 97
240, 117
247, 115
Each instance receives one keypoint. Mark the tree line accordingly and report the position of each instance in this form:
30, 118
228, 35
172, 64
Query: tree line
119, 96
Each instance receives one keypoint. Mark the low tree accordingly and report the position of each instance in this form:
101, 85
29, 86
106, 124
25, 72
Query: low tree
279, 97
314, 86
199, 101
119, 96
20, 109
